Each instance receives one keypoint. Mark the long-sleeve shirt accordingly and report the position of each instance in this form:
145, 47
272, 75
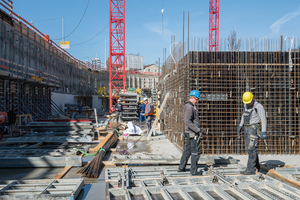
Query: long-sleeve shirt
191, 119
143, 107
119, 107
258, 116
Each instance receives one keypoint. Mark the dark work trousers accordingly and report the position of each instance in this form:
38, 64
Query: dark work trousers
148, 122
192, 149
119, 116
251, 142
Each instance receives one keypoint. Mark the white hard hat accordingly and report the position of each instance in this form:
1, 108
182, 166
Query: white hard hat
119, 100
145, 99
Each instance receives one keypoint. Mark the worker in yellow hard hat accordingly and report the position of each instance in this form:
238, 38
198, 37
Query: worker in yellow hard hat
255, 126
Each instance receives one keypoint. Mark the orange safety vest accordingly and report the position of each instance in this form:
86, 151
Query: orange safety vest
151, 112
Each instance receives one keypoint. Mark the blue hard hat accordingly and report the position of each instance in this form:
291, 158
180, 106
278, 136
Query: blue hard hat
195, 93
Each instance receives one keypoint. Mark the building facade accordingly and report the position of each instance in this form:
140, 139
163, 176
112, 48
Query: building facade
134, 62
96, 62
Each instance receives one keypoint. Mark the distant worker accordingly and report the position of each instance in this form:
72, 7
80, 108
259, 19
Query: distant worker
80, 107
119, 110
149, 111
142, 111
192, 133
253, 115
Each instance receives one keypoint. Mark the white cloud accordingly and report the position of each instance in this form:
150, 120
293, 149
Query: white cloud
159, 28
276, 26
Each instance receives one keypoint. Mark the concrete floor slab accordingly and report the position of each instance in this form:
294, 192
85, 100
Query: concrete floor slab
275, 160
158, 145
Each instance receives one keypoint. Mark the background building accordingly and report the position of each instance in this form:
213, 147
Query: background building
96, 62
152, 68
135, 62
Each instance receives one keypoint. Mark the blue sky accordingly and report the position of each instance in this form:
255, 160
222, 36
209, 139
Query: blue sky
143, 18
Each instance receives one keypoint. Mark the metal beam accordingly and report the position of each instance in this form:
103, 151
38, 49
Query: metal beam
60, 189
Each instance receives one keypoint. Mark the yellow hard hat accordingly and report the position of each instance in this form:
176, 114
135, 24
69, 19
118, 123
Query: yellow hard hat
247, 97
141, 101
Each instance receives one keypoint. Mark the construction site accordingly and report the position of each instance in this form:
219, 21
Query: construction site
61, 136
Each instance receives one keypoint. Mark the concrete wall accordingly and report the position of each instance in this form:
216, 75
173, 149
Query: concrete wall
60, 99
97, 102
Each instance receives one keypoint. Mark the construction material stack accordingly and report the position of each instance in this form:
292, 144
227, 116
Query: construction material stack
130, 103
154, 97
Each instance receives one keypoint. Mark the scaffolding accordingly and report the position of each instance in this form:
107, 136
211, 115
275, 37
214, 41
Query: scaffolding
32, 66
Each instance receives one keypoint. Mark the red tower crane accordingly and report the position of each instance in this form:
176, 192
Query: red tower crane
116, 49
213, 25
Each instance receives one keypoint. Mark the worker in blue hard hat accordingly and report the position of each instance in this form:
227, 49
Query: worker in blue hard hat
254, 122
192, 133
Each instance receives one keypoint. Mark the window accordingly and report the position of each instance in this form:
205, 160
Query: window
156, 70
148, 70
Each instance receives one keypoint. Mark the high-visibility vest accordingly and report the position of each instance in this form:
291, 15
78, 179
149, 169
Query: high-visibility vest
151, 112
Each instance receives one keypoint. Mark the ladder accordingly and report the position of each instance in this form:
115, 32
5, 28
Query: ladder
158, 115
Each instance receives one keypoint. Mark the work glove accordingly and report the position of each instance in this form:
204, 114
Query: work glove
263, 136
239, 129
144, 114
202, 130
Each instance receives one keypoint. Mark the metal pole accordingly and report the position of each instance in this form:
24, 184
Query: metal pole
188, 49
159, 66
183, 34
63, 30
105, 54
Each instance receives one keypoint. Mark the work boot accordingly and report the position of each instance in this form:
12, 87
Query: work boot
200, 173
246, 172
181, 170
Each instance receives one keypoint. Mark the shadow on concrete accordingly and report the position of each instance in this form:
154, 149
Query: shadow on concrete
272, 164
84, 192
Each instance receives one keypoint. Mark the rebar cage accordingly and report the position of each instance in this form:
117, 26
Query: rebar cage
222, 78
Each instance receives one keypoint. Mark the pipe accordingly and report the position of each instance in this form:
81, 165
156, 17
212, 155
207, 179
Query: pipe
290, 52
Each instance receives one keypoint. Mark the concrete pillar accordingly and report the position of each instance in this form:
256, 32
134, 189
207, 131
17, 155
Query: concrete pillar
97, 102
61, 99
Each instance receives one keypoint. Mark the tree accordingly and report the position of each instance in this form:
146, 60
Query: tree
234, 44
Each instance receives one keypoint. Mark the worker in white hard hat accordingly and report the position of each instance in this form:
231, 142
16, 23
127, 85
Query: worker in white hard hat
149, 111
255, 126
119, 110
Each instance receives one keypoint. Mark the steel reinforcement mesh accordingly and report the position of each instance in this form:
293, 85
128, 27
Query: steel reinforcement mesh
222, 78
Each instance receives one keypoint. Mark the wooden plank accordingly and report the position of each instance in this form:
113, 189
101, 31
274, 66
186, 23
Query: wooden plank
273, 172
62, 172
108, 163
101, 138
102, 128
96, 118
101, 144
